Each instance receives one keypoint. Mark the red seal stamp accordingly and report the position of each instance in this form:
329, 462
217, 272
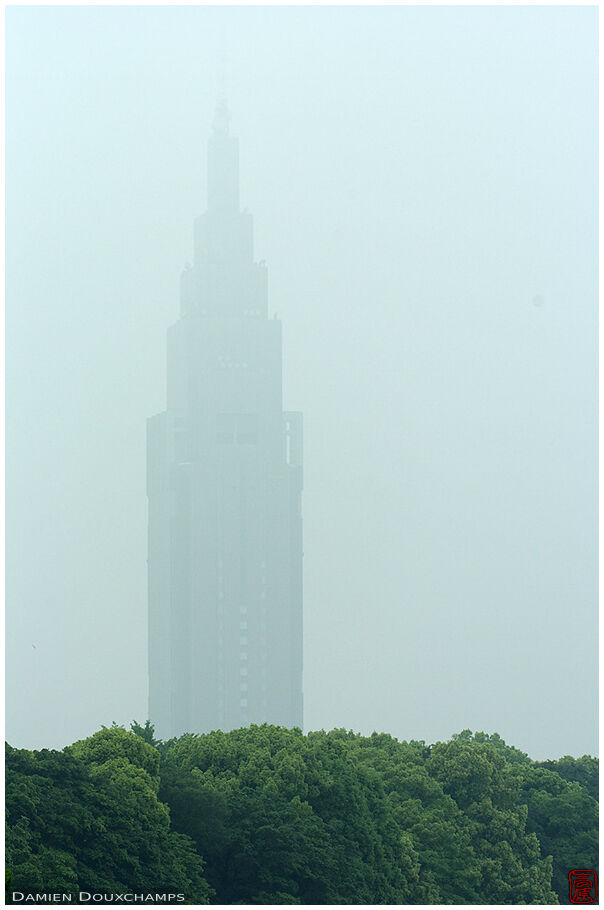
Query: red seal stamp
583, 886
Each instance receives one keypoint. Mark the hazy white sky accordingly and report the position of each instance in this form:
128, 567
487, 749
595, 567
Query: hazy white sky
423, 183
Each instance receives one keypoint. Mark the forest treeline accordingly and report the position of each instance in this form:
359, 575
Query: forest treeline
267, 815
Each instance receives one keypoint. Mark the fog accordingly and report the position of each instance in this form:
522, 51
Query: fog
423, 183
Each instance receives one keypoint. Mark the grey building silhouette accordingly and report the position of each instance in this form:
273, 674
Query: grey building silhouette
224, 482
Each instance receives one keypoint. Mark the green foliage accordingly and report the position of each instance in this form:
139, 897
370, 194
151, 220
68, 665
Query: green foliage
480, 781
89, 817
266, 815
584, 771
147, 733
564, 818
117, 745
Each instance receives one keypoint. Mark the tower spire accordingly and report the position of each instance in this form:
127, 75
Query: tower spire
222, 69
223, 164
222, 117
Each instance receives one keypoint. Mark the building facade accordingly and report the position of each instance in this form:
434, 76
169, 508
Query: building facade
224, 483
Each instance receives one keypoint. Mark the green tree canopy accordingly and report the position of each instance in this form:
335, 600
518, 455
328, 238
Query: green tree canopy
269, 815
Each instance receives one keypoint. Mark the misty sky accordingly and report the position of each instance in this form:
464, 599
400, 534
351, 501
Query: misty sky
424, 189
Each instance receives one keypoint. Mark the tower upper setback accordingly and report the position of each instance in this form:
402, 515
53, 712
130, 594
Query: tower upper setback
224, 281
224, 481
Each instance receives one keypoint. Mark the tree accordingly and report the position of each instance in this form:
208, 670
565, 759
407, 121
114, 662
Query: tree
564, 818
89, 817
475, 774
146, 733
268, 815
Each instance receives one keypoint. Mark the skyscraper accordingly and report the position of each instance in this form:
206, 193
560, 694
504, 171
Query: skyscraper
224, 482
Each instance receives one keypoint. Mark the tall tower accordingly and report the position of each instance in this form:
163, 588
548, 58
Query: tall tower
224, 483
